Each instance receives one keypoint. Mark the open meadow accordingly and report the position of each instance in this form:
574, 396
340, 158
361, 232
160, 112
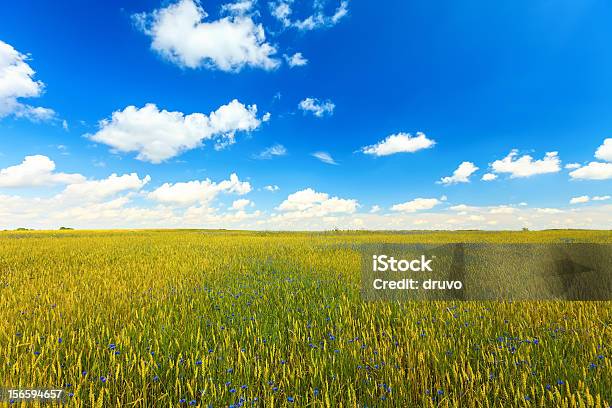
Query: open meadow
227, 318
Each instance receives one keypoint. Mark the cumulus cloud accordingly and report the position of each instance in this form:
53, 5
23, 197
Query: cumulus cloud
241, 204
282, 11
157, 135
375, 209
593, 171
272, 188
596, 170
586, 199
489, 177
418, 204
295, 60
572, 166
580, 199
316, 107
95, 190
180, 34
604, 152
17, 82
461, 174
526, 166
276, 150
33, 171
198, 191
324, 157
309, 203
399, 143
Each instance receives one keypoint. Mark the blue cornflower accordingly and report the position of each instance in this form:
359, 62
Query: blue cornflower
440, 392
601, 357
103, 379
155, 378
548, 387
274, 389
290, 399
199, 362
112, 346
36, 353
244, 387
192, 402
59, 340
84, 373
592, 366
233, 390
227, 384
560, 382
182, 400
316, 391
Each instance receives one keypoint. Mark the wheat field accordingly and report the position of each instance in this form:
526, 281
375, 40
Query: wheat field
227, 318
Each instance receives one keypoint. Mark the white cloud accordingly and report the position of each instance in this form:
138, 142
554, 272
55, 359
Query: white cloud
95, 190
463, 208
502, 209
375, 209
604, 152
572, 166
276, 150
35, 171
549, 210
196, 191
586, 199
241, 204
399, 143
17, 82
272, 188
418, 204
238, 8
282, 11
489, 177
308, 203
525, 166
324, 157
593, 171
180, 34
158, 135
580, 200
596, 170
461, 174
295, 60
318, 108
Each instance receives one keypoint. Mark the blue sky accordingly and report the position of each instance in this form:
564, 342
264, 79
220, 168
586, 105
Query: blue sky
479, 80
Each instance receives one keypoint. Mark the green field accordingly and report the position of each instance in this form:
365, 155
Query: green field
221, 318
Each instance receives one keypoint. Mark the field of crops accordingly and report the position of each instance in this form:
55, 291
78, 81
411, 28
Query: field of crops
220, 318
